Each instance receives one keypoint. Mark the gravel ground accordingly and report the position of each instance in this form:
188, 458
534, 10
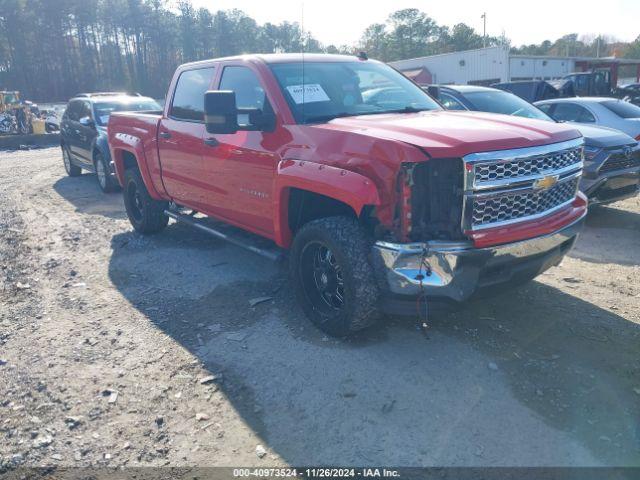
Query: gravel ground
121, 350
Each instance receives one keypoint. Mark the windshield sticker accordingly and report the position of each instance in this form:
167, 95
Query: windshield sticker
104, 119
309, 93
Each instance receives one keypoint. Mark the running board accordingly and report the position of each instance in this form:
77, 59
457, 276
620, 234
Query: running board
274, 253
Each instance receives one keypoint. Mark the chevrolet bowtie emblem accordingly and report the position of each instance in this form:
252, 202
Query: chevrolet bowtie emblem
545, 183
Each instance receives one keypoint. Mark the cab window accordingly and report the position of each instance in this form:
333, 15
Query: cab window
248, 89
188, 99
244, 82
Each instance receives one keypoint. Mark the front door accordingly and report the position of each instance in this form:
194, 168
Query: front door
180, 141
241, 166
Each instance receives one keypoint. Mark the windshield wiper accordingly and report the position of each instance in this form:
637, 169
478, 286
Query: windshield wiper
407, 109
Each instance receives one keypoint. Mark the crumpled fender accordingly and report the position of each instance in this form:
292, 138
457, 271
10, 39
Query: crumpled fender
123, 142
346, 186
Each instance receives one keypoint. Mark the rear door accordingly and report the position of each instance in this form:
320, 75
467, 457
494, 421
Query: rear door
180, 140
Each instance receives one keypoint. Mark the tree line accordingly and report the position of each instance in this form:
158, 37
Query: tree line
51, 50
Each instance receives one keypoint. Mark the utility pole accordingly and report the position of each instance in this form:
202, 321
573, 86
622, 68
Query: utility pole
484, 30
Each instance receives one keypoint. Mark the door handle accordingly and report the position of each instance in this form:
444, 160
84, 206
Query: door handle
212, 142
165, 134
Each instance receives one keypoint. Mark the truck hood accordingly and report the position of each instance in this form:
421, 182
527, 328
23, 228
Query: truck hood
455, 134
602, 137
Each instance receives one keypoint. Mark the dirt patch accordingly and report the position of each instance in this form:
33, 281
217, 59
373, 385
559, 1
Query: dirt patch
146, 351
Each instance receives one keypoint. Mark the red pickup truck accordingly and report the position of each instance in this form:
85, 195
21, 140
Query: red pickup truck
381, 198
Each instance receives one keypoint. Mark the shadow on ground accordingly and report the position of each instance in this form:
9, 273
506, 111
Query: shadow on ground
611, 235
85, 195
535, 377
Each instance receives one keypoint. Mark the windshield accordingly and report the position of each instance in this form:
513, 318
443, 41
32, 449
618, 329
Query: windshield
505, 103
11, 98
318, 92
103, 109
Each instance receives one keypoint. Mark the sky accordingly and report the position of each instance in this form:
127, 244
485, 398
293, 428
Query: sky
343, 21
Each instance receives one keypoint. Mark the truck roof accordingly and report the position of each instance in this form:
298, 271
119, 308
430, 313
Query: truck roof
284, 58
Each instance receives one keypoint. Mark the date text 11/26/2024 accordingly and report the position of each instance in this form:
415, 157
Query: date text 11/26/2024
308, 472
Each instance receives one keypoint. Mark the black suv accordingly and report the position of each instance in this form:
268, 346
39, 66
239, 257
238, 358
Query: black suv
83, 132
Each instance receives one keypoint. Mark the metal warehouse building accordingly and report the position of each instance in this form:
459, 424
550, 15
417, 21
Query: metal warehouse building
486, 66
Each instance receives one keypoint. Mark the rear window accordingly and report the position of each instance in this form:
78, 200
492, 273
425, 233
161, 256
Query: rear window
622, 109
188, 99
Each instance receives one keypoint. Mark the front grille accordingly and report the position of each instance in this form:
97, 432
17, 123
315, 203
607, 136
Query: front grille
511, 186
525, 167
511, 205
619, 161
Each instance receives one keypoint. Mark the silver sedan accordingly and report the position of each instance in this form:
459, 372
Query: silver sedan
603, 111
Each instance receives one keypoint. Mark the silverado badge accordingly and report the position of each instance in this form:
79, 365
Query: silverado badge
545, 183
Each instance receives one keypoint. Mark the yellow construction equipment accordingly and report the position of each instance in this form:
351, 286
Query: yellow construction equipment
9, 100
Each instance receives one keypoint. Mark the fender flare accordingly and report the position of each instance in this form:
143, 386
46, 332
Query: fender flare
350, 188
123, 142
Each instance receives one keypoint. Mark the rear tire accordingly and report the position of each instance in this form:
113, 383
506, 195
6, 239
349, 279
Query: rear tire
333, 276
103, 173
145, 214
71, 169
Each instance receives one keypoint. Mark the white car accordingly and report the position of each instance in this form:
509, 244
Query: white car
603, 111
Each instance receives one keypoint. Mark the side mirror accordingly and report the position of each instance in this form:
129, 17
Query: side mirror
220, 111
87, 122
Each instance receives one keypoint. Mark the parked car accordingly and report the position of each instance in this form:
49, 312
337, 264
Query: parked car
603, 111
382, 208
535, 90
584, 84
629, 92
612, 158
83, 132
628, 89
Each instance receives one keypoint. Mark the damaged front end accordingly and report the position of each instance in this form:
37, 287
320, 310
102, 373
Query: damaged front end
483, 220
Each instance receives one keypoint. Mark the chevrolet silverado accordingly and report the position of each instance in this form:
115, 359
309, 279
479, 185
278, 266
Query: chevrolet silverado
384, 202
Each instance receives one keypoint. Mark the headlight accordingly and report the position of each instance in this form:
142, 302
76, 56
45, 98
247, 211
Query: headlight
591, 152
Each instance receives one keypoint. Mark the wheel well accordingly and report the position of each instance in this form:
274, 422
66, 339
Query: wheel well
305, 206
129, 160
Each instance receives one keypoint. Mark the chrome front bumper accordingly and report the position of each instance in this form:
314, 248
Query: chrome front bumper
457, 270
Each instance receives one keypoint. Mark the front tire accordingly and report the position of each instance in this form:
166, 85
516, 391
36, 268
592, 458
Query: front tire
333, 277
71, 169
145, 214
103, 173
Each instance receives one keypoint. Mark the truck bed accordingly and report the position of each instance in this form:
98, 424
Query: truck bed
137, 132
